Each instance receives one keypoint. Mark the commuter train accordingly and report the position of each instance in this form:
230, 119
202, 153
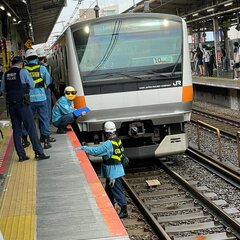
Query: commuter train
132, 69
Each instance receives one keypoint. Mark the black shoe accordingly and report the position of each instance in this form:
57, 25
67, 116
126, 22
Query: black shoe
47, 145
23, 158
61, 131
123, 213
51, 139
25, 143
41, 156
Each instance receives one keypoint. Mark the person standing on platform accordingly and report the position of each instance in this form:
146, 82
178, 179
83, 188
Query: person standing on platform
38, 97
206, 59
16, 83
200, 64
224, 59
112, 169
236, 60
212, 63
42, 59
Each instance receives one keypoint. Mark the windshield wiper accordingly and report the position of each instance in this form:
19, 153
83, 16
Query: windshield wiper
114, 74
156, 72
176, 63
126, 75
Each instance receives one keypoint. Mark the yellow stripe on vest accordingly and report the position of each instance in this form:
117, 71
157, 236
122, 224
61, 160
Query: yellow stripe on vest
32, 68
38, 80
116, 157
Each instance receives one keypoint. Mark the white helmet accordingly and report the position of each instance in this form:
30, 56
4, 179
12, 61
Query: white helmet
40, 52
30, 53
109, 127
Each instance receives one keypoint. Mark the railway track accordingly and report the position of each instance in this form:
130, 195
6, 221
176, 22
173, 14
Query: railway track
181, 207
206, 125
226, 125
178, 207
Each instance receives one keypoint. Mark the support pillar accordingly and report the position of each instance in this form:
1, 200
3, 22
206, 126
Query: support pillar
217, 44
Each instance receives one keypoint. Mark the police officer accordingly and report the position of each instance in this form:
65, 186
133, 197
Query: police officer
38, 97
112, 169
16, 83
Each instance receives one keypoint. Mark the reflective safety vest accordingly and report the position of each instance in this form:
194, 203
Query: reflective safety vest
34, 70
117, 155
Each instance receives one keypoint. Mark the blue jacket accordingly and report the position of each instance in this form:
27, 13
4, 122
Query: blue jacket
62, 107
38, 94
105, 150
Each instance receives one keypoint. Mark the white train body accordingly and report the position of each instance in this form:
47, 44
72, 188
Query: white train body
134, 70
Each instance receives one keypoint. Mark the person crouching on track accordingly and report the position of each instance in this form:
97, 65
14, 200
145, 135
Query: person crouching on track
62, 113
112, 169
16, 83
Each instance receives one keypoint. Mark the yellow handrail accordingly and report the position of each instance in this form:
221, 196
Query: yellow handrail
218, 136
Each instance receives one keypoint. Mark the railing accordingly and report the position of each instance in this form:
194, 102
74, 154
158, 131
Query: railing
218, 137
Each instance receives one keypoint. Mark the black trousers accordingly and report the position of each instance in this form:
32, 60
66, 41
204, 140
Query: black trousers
21, 113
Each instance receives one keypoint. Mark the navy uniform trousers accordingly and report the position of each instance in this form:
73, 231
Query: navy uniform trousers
22, 113
116, 193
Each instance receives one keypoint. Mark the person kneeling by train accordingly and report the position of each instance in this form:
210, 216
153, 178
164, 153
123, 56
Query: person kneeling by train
112, 166
64, 113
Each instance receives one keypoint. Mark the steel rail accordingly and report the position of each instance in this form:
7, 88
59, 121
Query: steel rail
159, 231
213, 208
225, 170
217, 117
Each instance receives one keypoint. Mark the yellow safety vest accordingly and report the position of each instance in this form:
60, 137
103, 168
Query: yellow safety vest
34, 70
117, 155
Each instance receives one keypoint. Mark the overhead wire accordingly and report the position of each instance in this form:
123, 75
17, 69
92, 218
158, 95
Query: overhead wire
73, 14
88, 8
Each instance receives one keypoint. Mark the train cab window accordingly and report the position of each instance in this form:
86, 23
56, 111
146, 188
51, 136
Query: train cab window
128, 44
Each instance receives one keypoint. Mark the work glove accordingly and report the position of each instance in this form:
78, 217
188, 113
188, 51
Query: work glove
111, 183
79, 148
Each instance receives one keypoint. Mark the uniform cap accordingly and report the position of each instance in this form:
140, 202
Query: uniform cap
17, 59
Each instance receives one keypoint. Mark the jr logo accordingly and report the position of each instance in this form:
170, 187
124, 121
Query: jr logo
177, 83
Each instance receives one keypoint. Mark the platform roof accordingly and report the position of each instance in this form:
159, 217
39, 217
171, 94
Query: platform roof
197, 13
35, 18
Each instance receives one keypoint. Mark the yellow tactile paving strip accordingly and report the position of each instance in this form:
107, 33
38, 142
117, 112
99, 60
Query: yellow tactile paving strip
18, 200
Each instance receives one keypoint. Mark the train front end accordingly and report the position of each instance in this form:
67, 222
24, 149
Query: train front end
134, 70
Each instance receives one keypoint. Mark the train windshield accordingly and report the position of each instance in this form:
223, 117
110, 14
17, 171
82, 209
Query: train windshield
129, 45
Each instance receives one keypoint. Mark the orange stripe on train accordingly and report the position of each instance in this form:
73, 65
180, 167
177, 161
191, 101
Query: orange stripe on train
187, 93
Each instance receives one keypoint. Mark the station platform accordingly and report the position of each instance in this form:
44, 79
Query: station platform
60, 198
221, 82
220, 90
